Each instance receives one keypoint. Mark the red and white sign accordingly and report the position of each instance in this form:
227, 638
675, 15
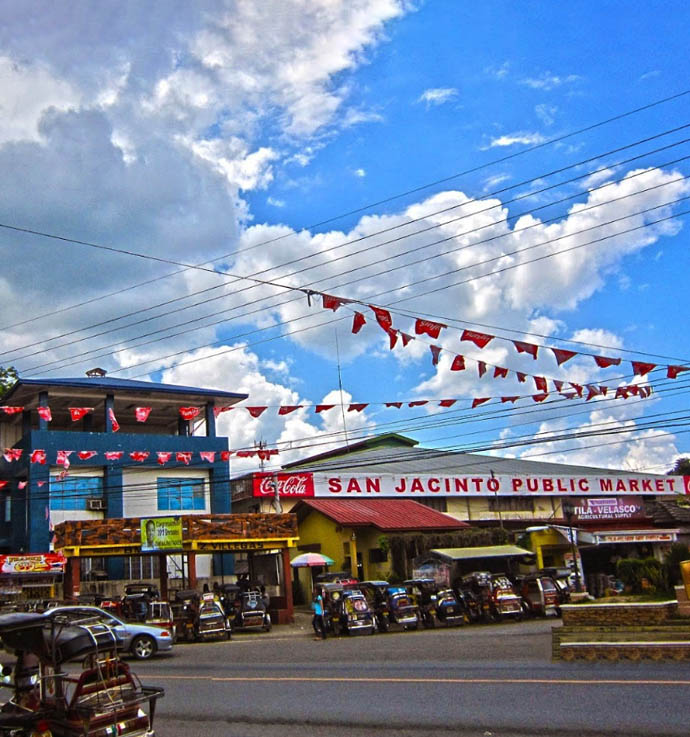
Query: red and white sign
33, 563
343, 486
289, 485
650, 536
607, 509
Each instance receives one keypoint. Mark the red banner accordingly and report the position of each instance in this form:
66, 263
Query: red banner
289, 485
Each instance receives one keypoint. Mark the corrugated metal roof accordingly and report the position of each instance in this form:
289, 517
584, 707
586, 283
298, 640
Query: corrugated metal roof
426, 461
385, 514
488, 551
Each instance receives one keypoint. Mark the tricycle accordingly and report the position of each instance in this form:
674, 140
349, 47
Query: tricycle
68, 681
245, 607
423, 591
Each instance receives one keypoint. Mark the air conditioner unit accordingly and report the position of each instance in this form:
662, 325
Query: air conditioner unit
95, 504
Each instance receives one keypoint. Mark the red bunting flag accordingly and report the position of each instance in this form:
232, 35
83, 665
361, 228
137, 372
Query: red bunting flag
86, 455
604, 390
447, 402
113, 420
113, 455
540, 397
183, 456
481, 367
246, 453
358, 322
332, 303
12, 454
40, 484
645, 391
392, 338
139, 455
189, 413
256, 411
500, 373
3, 484
44, 413
357, 407
78, 413
558, 384
225, 455
673, 371
22, 484
622, 392
38, 456
428, 327
592, 391
528, 348
641, 369
633, 389
540, 383
509, 399
163, 457
11, 410
287, 408
435, 353
219, 410
323, 407
458, 364
142, 413
481, 340
578, 388
522, 378
603, 362
62, 458
562, 355
394, 404
208, 455
406, 339
480, 400
383, 317
418, 403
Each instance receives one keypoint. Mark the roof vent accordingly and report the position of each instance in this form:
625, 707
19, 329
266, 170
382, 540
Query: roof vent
96, 372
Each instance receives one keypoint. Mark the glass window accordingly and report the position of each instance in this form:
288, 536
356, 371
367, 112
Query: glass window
72, 493
181, 494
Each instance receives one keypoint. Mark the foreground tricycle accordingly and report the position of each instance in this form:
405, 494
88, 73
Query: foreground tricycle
68, 681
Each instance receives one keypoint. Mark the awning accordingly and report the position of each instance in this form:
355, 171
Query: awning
489, 551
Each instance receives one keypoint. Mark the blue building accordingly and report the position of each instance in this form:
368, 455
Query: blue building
97, 447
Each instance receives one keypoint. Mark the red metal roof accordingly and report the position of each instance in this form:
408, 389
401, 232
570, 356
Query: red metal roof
384, 514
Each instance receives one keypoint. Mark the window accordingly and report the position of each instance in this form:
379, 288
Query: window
181, 494
440, 505
72, 493
377, 555
511, 504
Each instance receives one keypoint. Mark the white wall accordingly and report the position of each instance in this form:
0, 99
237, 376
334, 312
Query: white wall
141, 495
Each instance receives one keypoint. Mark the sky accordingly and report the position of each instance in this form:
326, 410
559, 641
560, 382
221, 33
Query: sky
181, 183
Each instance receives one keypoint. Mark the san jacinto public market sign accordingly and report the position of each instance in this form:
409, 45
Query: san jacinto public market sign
340, 486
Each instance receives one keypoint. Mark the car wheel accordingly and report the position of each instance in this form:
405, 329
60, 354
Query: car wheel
143, 647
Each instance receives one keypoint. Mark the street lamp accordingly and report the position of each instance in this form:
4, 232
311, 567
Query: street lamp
568, 513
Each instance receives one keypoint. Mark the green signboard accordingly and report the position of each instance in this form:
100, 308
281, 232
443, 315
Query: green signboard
161, 533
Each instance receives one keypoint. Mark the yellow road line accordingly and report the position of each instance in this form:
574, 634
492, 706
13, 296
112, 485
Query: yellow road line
341, 679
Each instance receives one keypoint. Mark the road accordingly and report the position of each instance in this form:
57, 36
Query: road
483, 680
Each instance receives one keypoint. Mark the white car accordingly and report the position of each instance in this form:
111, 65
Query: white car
141, 640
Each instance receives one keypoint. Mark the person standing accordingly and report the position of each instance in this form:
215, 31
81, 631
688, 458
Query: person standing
319, 620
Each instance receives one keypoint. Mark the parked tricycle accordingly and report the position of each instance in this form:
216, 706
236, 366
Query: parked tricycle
67, 680
245, 607
355, 615
423, 592
540, 595
449, 610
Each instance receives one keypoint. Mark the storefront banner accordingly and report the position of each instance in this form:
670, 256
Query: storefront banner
343, 486
32, 563
161, 533
289, 485
607, 538
607, 509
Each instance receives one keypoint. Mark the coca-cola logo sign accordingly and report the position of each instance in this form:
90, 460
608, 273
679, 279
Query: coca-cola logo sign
289, 485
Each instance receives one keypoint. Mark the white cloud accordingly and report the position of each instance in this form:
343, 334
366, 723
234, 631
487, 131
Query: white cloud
546, 113
361, 173
523, 138
548, 81
438, 96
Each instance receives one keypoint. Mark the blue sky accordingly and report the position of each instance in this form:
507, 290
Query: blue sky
226, 132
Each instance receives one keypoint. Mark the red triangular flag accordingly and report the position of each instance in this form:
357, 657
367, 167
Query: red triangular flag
38, 456
12, 454
406, 338
287, 408
358, 322
142, 413
44, 413
332, 303
540, 397
603, 362
114, 424
418, 403
225, 455
85, 455
641, 369
11, 410
77, 413
481, 367
208, 455
189, 413
592, 391
522, 378
458, 364
528, 348
256, 411
435, 353
392, 338
622, 392
500, 373
673, 371
578, 388
113, 455
394, 404
428, 327
323, 407
183, 456
163, 457
540, 383
447, 402
481, 340
383, 317
558, 384
139, 455
356, 407
645, 391
478, 401
562, 355
509, 399
62, 458
219, 410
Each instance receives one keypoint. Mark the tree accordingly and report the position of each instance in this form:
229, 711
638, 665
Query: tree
8, 376
680, 468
